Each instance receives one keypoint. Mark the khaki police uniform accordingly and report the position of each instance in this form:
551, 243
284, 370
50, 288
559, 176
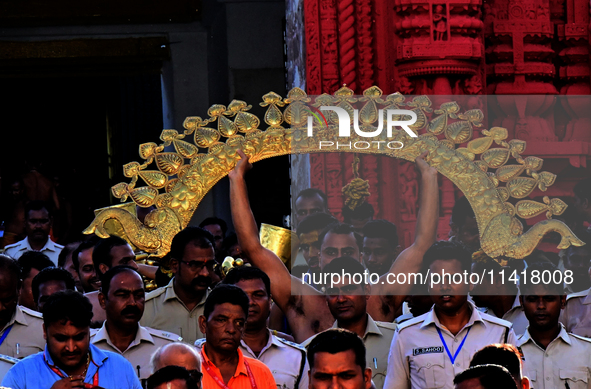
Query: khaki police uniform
515, 316
141, 349
377, 339
286, 360
566, 362
6, 363
576, 316
51, 249
165, 311
26, 334
418, 358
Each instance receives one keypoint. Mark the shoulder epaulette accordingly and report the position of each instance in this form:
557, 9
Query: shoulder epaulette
496, 320
30, 312
410, 322
155, 293
11, 246
164, 335
388, 325
582, 293
580, 337
290, 343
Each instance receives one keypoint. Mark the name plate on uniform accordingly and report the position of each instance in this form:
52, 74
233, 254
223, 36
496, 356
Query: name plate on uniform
427, 350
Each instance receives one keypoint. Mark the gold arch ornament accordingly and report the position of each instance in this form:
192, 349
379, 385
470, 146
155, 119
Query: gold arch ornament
178, 172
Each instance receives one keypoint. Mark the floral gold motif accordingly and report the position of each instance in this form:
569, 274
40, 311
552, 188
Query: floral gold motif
177, 181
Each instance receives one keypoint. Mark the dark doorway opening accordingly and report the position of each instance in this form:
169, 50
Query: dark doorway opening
76, 131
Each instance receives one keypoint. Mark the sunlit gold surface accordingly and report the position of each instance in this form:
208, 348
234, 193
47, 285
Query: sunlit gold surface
176, 182
278, 240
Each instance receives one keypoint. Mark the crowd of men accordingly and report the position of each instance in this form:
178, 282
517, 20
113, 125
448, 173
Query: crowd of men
79, 316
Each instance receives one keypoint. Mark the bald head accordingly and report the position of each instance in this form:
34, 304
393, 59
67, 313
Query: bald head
176, 354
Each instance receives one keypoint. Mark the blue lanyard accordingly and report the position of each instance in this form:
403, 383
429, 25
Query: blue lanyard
5, 334
453, 359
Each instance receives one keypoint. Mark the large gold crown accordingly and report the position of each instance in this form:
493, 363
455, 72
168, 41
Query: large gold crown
176, 181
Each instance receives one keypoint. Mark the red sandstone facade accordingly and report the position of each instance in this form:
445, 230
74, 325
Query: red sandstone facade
506, 48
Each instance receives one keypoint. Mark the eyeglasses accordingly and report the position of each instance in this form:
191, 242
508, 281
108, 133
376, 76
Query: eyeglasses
198, 265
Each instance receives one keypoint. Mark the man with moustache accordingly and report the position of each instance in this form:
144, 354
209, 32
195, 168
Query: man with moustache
107, 253
337, 359
348, 305
554, 358
430, 350
69, 360
286, 360
222, 362
38, 222
305, 307
177, 306
122, 297
21, 331
82, 262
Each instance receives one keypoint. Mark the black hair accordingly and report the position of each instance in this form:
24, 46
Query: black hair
215, 220
68, 305
10, 265
52, 274
447, 250
311, 192
63, 255
243, 273
315, 222
343, 265
171, 373
110, 274
537, 271
224, 293
583, 189
336, 340
195, 235
461, 210
505, 355
363, 211
490, 377
229, 241
90, 243
36, 205
33, 260
381, 229
102, 251
341, 229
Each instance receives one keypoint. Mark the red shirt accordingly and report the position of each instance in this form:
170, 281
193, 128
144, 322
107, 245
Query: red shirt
240, 380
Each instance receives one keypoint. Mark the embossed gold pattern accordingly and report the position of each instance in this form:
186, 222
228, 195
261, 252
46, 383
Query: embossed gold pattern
178, 181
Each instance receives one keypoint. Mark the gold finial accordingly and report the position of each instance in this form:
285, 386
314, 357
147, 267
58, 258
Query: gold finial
357, 190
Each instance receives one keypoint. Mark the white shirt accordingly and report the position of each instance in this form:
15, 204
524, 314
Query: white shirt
567, 359
418, 358
51, 249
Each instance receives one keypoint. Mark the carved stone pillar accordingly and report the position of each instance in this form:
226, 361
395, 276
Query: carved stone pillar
439, 47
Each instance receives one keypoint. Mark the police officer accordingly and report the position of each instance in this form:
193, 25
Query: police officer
554, 358
348, 304
177, 306
286, 360
430, 350
122, 297
22, 328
